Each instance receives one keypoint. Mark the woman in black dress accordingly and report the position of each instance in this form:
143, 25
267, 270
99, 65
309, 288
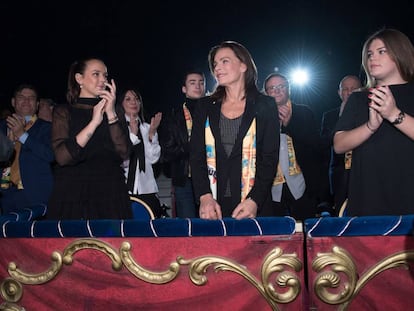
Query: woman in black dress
90, 145
377, 125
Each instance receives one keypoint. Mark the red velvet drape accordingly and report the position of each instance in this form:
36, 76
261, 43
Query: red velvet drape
90, 282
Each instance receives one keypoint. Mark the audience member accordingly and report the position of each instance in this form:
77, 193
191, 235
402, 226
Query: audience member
90, 145
145, 151
377, 124
297, 188
27, 179
334, 164
176, 148
235, 140
46, 106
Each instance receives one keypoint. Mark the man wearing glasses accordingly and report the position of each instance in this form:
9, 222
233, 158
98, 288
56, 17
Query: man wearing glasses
296, 189
27, 178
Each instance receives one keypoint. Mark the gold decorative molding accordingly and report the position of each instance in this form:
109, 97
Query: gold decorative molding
7, 306
340, 261
274, 262
144, 274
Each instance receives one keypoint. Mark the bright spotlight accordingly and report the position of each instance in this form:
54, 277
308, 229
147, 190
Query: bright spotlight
299, 77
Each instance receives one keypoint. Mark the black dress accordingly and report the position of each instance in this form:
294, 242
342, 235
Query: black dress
382, 170
89, 182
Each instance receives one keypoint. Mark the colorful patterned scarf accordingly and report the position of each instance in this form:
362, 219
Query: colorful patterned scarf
293, 164
348, 160
188, 120
189, 125
248, 162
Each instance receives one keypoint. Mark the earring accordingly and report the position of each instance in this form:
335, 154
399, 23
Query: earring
80, 85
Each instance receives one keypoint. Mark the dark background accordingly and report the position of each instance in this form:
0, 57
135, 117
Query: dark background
150, 44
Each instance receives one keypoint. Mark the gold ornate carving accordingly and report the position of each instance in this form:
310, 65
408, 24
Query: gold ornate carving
95, 244
340, 261
274, 262
144, 274
7, 306
11, 290
38, 278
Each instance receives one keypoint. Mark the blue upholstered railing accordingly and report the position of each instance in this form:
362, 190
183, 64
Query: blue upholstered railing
26, 225
359, 226
29, 223
30, 213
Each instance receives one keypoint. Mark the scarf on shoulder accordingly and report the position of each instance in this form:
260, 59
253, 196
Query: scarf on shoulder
248, 162
188, 120
294, 167
11, 175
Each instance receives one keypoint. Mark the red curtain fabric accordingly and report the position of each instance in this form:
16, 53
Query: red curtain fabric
392, 288
90, 282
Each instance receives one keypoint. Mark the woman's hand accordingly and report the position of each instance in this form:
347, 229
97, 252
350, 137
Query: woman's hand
245, 209
98, 112
383, 103
155, 123
209, 208
110, 97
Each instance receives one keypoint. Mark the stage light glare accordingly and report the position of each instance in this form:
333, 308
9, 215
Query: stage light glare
299, 77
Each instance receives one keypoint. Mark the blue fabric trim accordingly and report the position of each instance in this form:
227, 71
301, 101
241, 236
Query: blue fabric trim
164, 227
360, 226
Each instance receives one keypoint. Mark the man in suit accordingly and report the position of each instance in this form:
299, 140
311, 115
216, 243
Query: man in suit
297, 189
337, 165
27, 179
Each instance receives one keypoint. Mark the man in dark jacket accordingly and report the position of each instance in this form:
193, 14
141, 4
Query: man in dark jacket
334, 164
298, 187
175, 148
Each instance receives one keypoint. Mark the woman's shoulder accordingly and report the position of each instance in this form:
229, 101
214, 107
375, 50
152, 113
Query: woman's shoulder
62, 109
205, 100
205, 103
264, 102
406, 87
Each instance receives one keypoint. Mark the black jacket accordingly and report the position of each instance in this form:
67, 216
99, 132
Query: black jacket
175, 145
229, 168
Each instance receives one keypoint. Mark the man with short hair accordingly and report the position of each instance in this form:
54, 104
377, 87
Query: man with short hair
337, 166
27, 180
176, 147
45, 111
296, 189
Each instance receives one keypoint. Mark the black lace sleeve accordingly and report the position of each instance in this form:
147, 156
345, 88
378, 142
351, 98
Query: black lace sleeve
120, 137
66, 149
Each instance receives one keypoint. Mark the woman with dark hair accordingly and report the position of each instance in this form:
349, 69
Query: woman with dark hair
145, 151
377, 124
90, 145
234, 140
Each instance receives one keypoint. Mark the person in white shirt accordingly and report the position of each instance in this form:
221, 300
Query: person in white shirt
145, 150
